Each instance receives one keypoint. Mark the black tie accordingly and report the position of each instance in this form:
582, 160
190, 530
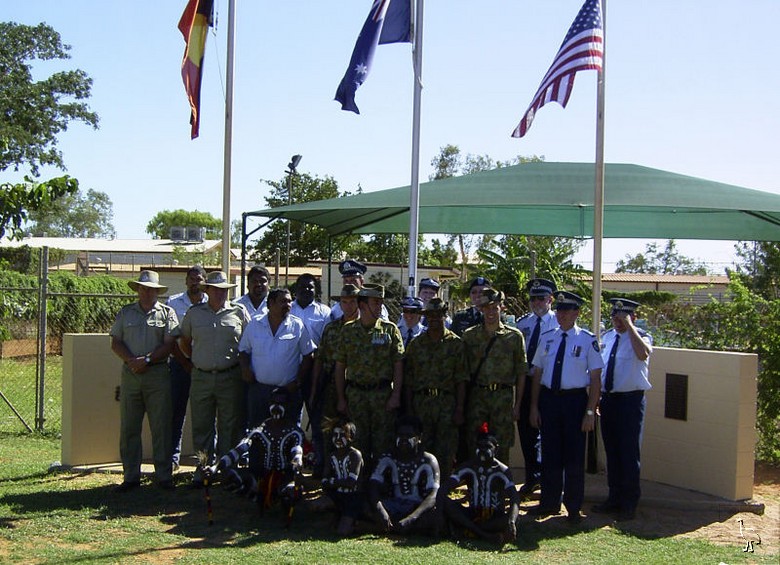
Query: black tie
610, 380
558, 367
408, 336
533, 343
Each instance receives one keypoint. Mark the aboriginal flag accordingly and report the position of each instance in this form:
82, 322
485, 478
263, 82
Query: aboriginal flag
194, 25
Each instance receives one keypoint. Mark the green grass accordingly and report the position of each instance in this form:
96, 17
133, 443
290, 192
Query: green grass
17, 382
64, 517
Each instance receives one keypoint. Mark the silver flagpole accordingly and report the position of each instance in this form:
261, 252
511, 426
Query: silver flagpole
414, 205
598, 201
228, 138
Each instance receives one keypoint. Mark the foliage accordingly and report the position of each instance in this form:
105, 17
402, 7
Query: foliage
666, 261
18, 200
74, 215
25, 259
748, 323
437, 255
759, 267
159, 227
307, 242
35, 112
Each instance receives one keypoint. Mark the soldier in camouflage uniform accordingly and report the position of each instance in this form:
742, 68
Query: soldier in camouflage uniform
369, 373
323, 388
435, 378
497, 364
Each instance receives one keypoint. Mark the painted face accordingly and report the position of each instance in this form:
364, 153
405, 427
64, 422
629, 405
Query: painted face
341, 438
277, 410
486, 451
407, 439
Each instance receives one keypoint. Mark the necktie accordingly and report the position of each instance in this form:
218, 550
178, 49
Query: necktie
533, 342
558, 367
408, 336
610, 380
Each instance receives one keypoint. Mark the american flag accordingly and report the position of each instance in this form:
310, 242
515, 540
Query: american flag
582, 48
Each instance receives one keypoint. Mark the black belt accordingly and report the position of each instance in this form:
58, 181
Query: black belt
565, 391
495, 386
626, 393
374, 386
432, 391
217, 371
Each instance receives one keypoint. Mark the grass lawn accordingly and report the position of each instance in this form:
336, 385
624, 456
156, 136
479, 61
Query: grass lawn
17, 382
63, 517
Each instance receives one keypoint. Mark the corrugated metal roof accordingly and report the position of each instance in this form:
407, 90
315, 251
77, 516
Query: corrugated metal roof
90, 244
679, 279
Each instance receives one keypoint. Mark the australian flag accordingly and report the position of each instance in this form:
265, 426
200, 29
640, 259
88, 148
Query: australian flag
390, 21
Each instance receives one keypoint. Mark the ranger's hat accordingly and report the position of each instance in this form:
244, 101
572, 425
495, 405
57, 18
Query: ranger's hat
350, 268
430, 283
346, 291
565, 300
218, 279
412, 303
624, 305
479, 281
149, 279
372, 290
490, 296
540, 287
436, 305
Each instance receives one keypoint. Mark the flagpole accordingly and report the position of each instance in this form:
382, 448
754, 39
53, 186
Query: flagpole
228, 138
598, 200
414, 204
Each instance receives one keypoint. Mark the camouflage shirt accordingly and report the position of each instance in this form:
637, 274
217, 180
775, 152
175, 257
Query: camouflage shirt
326, 352
369, 353
505, 360
435, 364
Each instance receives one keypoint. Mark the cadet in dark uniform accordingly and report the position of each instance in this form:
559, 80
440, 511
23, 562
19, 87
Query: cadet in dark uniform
352, 273
626, 353
143, 336
567, 371
471, 316
541, 319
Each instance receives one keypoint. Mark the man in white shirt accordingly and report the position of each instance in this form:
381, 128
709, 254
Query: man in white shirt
255, 300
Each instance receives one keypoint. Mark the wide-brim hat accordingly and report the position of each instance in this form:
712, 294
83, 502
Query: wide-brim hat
490, 296
565, 300
372, 291
218, 279
348, 290
149, 279
436, 305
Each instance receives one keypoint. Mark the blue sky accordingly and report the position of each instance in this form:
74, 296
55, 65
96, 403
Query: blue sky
690, 89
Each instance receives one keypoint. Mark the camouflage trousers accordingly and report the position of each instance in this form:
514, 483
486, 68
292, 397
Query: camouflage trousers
375, 425
495, 408
440, 434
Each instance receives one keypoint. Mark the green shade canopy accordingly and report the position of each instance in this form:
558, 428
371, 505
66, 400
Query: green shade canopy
556, 199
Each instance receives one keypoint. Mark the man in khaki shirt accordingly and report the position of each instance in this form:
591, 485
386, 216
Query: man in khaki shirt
210, 333
143, 336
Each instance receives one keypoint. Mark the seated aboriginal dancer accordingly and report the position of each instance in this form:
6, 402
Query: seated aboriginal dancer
267, 462
341, 474
491, 494
405, 483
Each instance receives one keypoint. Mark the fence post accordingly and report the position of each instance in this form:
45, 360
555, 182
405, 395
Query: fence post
43, 277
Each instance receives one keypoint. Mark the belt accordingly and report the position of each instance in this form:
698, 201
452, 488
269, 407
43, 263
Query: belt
217, 371
565, 391
626, 393
375, 386
495, 386
432, 391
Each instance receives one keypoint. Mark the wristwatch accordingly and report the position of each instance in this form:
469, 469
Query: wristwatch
589, 412
148, 358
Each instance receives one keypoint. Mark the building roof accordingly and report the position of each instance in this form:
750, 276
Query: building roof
673, 279
98, 245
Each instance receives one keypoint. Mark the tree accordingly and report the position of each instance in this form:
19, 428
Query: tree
655, 261
438, 255
759, 267
307, 242
17, 200
35, 112
159, 227
74, 215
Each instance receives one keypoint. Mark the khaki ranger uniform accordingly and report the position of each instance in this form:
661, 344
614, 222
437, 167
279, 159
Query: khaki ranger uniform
149, 392
492, 395
369, 355
432, 372
217, 391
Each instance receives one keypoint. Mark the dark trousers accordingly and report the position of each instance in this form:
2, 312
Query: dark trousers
180, 394
563, 449
530, 439
622, 422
